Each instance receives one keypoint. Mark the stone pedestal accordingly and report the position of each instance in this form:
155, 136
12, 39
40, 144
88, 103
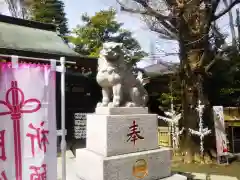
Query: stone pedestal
122, 144
108, 134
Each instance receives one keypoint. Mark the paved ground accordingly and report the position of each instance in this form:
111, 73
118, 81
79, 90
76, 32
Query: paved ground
215, 172
203, 176
72, 169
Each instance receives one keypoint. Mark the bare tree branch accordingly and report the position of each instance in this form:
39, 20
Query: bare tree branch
217, 33
223, 12
216, 58
214, 6
145, 4
152, 12
148, 10
231, 24
162, 19
163, 33
129, 10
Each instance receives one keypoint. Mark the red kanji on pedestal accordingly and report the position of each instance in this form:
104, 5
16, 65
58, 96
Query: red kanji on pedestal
134, 133
2, 146
40, 136
3, 176
15, 109
40, 173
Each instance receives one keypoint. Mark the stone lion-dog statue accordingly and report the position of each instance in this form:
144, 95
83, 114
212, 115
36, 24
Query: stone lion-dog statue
120, 88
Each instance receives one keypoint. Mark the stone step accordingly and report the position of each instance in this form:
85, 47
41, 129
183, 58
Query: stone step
147, 165
72, 170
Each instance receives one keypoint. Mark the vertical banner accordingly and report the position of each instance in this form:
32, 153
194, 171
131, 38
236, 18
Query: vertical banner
28, 122
221, 138
80, 125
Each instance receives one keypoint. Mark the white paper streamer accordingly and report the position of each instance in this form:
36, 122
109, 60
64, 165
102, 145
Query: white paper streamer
173, 123
201, 132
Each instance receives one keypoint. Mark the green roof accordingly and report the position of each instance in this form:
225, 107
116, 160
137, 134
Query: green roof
28, 36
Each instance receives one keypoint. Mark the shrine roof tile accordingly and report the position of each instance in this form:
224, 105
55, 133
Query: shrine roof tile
23, 35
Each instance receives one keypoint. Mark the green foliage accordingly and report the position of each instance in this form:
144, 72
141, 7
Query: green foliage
102, 27
173, 95
222, 87
225, 81
49, 11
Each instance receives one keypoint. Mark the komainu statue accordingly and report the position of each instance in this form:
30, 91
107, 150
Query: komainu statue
120, 88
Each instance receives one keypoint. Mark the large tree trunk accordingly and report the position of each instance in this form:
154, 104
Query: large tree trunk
193, 43
192, 81
192, 91
189, 23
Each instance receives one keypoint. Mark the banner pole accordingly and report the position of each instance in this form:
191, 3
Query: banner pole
34, 58
63, 141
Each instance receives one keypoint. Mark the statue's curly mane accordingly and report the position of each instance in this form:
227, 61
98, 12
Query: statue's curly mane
102, 60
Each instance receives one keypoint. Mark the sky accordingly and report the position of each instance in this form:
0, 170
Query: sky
74, 9
148, 40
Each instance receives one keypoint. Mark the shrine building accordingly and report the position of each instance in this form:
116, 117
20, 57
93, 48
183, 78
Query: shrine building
31, 40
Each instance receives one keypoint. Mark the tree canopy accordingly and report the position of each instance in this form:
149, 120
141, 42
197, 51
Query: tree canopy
49, 11
225, 80
103, 26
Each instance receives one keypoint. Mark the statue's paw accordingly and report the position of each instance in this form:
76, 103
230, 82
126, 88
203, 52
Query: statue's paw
110, 104
99, 104
130, 104
116, 101
105, 104
116, 104
102, 104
